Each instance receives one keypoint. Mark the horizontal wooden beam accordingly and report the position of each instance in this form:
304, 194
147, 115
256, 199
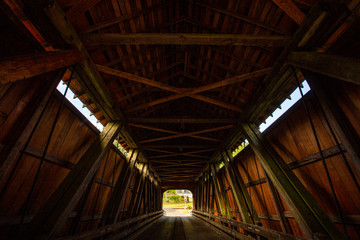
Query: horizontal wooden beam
194, 93
146, 81
182, 120
163, 146
171, 132
185, 153
27, 66
184, 39
187, 134
343, 68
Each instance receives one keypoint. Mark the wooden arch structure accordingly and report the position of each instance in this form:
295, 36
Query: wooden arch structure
180, 85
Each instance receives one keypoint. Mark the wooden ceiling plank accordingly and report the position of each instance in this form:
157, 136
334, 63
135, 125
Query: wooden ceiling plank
290, 8
184, 39
80, 7
123, 18
242, 17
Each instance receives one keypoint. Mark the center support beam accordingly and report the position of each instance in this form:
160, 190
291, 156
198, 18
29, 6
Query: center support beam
54, 213
184, 39
117, 198
308, 214
240, 193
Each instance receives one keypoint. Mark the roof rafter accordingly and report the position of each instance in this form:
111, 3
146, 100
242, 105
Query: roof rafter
183, 154
120, 19
192, 92
178, 135
242, 17
184, 39
171, 132
163, 86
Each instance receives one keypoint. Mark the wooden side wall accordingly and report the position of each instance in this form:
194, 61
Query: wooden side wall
292, 137
72, 136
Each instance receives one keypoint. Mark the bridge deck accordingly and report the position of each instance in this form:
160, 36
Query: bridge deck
180, 228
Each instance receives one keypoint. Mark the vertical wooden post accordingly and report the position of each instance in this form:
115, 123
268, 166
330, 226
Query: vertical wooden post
201, 195
208, 192
221, 194
117, 198
54, 213
137, 204
135, 192
237, 193
309, 215
278, 206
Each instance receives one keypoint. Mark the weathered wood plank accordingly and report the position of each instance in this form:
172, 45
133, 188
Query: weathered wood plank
52, 216
24, 67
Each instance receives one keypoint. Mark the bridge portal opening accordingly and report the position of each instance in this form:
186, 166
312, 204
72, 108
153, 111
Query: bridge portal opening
177, 202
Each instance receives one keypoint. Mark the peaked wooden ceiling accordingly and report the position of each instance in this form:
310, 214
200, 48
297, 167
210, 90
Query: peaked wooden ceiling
181, 72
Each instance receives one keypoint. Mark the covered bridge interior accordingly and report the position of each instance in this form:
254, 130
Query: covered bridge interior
178, 86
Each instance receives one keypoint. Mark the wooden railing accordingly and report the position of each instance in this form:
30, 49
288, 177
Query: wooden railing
253, 229
112, 230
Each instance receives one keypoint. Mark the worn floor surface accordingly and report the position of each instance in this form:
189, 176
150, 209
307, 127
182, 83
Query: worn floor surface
179, 228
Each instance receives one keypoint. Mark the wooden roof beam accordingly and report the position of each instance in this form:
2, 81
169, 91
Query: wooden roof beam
123, 18
290, 8
180, 161
184, 39
182, 120
178, 135
185, 153
166, 87
189, 154
343, 68
166, 165
171, 132
242, 18
80, 7
194, 92
24, 67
